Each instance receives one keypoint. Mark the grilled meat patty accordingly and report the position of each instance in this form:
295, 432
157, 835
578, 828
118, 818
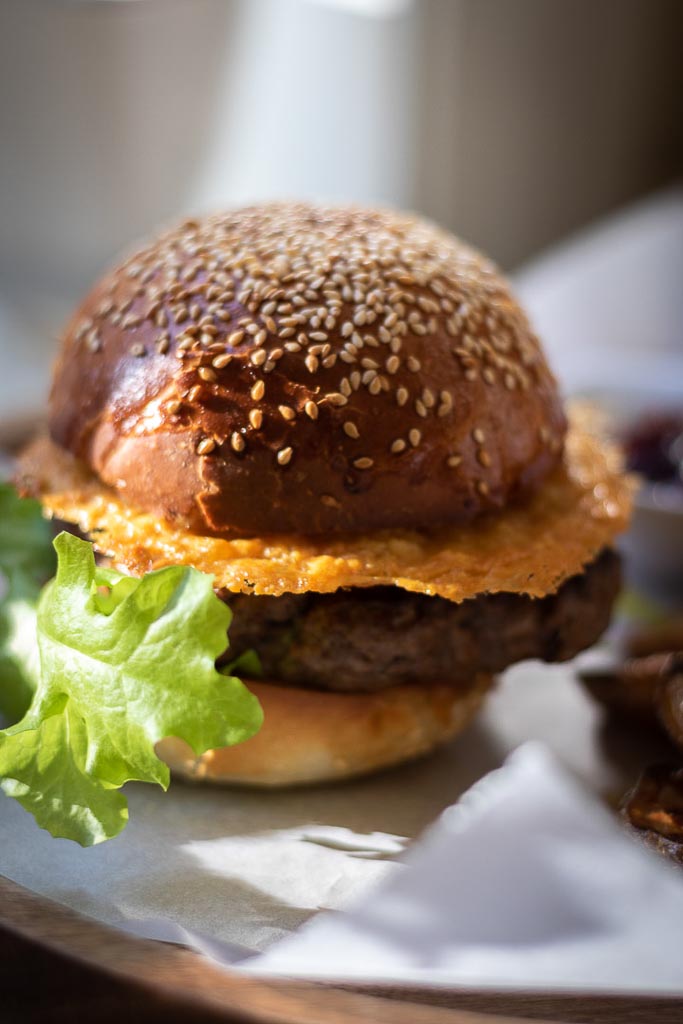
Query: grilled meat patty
364, 639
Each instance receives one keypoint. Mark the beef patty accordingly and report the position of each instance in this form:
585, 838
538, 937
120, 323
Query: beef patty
367, 638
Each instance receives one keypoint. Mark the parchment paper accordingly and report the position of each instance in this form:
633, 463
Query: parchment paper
246, 867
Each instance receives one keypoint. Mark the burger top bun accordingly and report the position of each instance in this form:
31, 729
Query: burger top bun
289, 368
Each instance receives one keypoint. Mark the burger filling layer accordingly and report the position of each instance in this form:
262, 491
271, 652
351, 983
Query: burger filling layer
368, 638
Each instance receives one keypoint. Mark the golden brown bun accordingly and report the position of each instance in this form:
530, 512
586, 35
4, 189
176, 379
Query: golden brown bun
297, 369
311, 736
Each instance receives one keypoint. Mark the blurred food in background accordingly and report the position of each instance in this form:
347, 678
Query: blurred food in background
641, 687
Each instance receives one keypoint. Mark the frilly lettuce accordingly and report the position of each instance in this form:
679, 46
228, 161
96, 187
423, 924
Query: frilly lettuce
27, 559
122, 663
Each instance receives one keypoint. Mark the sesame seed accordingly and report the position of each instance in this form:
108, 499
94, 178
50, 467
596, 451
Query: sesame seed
207, 374
280, 267
221, 361
137, 350
311, 410
446, 403
258, 356
413, 364
482, 487
402, 396
205, 446
236, 338
363, 463
237, 442
311, 362
256, 418
478, 435
284, 456
336, 398
351, 430
286, 412
392, 364
398, 446
414, 436
484, 457
454, 460
258, 390
174, 406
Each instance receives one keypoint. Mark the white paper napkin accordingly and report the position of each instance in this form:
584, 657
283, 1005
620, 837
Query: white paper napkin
527, 881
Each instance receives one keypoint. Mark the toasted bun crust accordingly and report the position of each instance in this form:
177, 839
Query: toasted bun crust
313, 736
296, 369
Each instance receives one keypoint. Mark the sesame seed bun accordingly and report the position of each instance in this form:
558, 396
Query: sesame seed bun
288, 368
313, 736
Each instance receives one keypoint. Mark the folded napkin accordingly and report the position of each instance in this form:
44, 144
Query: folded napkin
527, 881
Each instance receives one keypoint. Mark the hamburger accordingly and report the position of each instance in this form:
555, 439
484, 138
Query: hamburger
344, 416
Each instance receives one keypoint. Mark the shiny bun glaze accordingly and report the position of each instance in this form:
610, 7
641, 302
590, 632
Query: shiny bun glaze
289, 368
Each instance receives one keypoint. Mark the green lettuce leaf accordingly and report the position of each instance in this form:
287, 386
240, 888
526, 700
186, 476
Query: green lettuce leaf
19, 662
27, 560
123, 663
25, 539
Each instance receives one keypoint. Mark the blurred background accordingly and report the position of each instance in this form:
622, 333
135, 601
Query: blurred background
516, 123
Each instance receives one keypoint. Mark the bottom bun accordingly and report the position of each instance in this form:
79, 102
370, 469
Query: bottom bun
314, 736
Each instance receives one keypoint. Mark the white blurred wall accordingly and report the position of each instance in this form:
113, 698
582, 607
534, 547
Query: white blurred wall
537, 116
510, 121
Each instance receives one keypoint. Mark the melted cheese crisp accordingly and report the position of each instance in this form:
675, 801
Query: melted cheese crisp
527, 549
